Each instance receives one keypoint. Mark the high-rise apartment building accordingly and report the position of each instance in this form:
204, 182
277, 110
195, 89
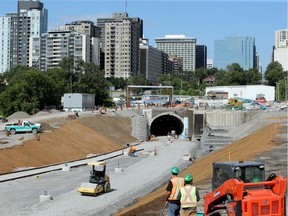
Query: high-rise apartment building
17, 29
53, 46
180, 46
82, 26
280, 51
177, 63
33, 21
87, 28
120, 38
235, 49
201, 56
5, 34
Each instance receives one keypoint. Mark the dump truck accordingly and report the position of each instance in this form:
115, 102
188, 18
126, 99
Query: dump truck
98, 182
239, 188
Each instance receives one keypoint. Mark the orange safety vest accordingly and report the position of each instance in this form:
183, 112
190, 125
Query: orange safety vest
188, 196
177, 183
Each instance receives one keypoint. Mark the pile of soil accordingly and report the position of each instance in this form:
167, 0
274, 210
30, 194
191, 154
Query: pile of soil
18, 115
74, 140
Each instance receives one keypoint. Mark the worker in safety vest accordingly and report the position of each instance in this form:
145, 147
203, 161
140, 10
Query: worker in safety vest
172, 191
132, 151
189, 196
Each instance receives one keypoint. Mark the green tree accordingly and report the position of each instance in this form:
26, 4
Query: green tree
235, 74
83, 77
2, 83
221, 78
282, 90
119, 83
61, 81
8, 75
92, 80
253, 76
274, 73
71, 67
29, 91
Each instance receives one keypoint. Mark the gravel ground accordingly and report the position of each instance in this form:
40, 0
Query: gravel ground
136, 180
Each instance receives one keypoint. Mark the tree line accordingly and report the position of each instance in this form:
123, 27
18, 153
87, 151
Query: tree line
30, 90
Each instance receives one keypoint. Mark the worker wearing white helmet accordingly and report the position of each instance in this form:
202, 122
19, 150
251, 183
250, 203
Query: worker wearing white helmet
189, 196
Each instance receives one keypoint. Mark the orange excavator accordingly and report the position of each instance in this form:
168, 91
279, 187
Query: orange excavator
240, 189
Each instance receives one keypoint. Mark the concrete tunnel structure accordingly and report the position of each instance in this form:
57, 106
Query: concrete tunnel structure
166, 122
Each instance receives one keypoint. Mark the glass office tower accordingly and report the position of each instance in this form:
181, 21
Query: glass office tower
235, 49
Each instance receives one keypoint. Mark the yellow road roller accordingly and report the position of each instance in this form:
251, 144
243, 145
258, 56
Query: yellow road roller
98, 182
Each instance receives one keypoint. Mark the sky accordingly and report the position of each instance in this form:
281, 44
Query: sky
205, 20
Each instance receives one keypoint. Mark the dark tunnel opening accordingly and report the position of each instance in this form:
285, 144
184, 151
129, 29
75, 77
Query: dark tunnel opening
166, 123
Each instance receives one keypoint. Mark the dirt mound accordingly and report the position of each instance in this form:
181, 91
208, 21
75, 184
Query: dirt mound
43, 112
110, 126
46, 126
18, 115
243, 149
74, 140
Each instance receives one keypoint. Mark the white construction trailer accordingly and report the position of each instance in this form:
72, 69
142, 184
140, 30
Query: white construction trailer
78, 102
246, 91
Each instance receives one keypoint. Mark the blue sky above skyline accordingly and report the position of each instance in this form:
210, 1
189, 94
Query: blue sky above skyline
206, 20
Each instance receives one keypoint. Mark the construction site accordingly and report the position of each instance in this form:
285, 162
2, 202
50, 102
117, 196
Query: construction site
40, 174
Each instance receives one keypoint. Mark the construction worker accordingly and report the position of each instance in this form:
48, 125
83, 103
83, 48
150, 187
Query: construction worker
132, 151
172, 191
189, 196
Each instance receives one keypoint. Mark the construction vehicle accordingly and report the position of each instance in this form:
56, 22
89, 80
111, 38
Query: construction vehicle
98, 182
234, 104
240, 189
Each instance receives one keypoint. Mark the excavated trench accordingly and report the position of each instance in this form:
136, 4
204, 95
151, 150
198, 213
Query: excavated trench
166, 123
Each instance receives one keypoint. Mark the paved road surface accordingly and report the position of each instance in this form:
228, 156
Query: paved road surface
141, 175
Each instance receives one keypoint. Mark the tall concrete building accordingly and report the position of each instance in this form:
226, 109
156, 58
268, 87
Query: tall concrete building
235, 49
153, 62
180, 46
120, 38
87, 28
5, 45
33, 21
201, 56
210, 64
53, 46
280, 51
29, 21
82, 26
177, 63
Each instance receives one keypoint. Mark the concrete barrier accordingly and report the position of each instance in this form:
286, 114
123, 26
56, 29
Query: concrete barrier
45, 197
228, 118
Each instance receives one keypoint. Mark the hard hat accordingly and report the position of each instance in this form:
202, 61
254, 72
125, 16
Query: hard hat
256, 180
174, 170
188, 178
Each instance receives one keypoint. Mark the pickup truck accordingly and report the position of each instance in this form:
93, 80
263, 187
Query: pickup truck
24, 126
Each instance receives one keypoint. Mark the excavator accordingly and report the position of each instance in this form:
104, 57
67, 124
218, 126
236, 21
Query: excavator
239, 188
234, 104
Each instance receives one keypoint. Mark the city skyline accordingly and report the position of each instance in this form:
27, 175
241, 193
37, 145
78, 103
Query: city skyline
205, 20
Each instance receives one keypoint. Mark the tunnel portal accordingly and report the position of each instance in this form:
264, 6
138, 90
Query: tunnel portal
166, 123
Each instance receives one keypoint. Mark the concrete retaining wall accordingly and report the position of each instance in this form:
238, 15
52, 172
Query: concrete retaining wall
228, 118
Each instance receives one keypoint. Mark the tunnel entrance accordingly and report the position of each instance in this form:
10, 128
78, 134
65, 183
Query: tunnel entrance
166, 123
